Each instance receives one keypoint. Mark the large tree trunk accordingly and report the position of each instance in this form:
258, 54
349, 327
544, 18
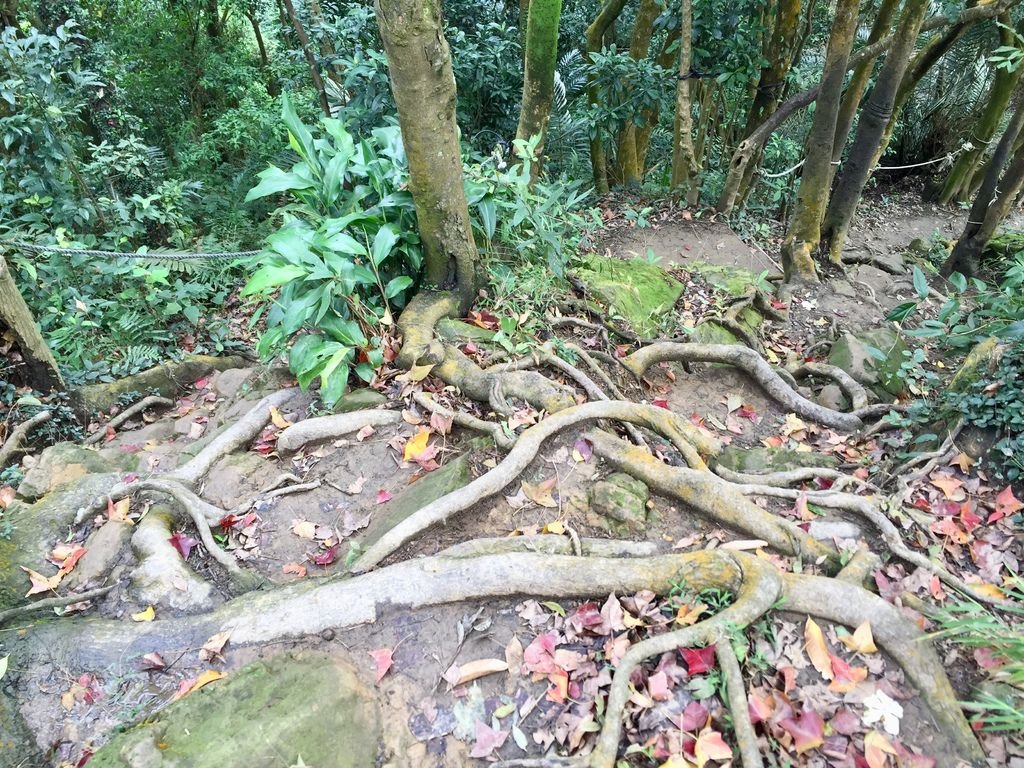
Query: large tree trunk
684, 160
630, 168
860, 78
805, 227
961, 176
994, 199
595, 40
424, 88
540, 57
307, 51
875, 118
40, 367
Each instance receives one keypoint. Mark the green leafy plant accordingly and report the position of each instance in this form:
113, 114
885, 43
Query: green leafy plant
346, 252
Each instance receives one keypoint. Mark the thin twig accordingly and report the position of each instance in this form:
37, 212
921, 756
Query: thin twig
127, 413
53, 602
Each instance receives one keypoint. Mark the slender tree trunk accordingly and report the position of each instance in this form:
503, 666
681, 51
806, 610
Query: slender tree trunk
261, 44
993, 201
213, 25
423, 84
9, 13
630, 170
665, 60
860, 78
307, 51
805, 226
42, 371
541, 55
595, 40
961, 176
874, 120
684, 160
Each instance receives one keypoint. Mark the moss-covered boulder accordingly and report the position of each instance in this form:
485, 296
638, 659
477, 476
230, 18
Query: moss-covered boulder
66, 462
735, 281
637, 291
619, 503
981, 361
873, 358
296, 709
762, 459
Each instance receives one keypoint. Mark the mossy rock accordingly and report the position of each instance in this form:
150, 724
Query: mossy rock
1004, 245
853, 354
167, 380
638, 292
981, 361
17, 745
735, 281
66, 462
311, 706
762, 459
359, 400
456, 330
619, 503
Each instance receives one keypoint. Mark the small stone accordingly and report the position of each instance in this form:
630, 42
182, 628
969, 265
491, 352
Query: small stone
832, 396
227, 383
63, 463
853, 354
359, 400
827, 530
327, 634
843, 288
619, 501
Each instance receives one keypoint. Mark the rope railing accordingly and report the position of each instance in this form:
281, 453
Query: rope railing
156, 255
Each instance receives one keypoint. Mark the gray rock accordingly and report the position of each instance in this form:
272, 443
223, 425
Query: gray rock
227, 383
229, 481
306, 705
832, 396
826, 530
162, 578
102, 551
853, 354
843, 288
619, 502
66, 462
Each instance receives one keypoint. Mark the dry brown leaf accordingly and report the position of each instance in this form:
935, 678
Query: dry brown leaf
304, 529
817, 650
213, 648
541, 493
473, 670
277, 419
861, 641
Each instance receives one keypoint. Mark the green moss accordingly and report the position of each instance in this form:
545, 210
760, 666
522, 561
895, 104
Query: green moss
268, 714
762, 459
980, 361
638, 292
735, 281
854, 355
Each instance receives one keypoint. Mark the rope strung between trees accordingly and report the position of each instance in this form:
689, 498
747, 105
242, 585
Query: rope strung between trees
157, 255
946, 158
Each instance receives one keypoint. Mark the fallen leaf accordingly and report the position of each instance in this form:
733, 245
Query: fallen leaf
1006, 504
6, 496
419, 372
657, 686
473, 670
183, 543
365, 432
948, 484
710, 746
66, 556
541, 493
876, 747
861, 641
963, 461
416, 445
326, 557
207, 677
356, 486
486, 740
383, 496
41, 583
660, 402
383, 661
118, 511
793, 424
304, 529
699, 660
582, 450
152, 661
294, 568
846, 677
694, 717
145, 615
277, 419
213, 648
817, 650
807, 730
878, 707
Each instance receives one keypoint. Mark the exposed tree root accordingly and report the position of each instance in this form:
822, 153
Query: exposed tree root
873, 261
49, 603
788, 477
713, 497
752, 363
234, 437
853, 390
327, 427
860, 567
552, 545
736, 692
149, 401
18, 435
681, 432
528, 386
417, 323
466, 420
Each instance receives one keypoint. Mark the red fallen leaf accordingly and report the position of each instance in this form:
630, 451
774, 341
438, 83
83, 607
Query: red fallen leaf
986, 658
558, 692
202, 383
1006, 504
294, 568
776, 304
484, 319
326, 557
967, 516
697, 420
152, 661
747, 412
845, 677
760, 707
699, 660
788, 678
183, 543
109, 434
588, 615
907, 759
383, 496
131, 477
947, 527
539, 656
583, 449
86, 756
228, 521
657, 686
807, 730
694, 717
470, 348
660, 402
382, 659
486, 740
935, 587
248, 520
845, 721
711, 746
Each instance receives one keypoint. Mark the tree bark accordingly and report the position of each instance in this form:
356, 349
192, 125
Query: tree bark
41, 367
805, 227
423, 85
860, 78
993, 201
684, 161
630, 168
307, 51
261, 44
595, 40
961, 176
875, 119
540, 58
